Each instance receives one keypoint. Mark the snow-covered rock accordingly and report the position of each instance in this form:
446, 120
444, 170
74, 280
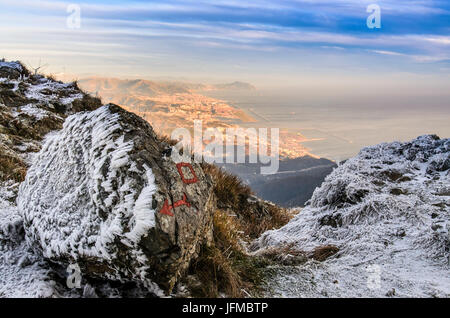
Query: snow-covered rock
104, 193
99, 161
387, 210
24, 121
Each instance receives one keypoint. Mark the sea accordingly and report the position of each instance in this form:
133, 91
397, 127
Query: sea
338, 127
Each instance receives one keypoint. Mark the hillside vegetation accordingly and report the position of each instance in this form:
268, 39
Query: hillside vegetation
32, 108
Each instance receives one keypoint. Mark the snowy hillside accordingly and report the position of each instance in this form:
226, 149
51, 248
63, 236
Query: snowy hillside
30, 107
387, 210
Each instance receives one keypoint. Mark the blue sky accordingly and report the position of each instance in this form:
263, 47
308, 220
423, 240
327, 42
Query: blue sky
266, 42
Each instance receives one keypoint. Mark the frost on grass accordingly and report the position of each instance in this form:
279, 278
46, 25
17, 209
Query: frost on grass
48, 91
34, 112
388, 209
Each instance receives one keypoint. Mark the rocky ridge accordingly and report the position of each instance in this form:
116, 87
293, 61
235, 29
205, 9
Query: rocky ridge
387, 213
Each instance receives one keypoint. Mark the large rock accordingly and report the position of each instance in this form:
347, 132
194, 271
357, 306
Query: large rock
104, 193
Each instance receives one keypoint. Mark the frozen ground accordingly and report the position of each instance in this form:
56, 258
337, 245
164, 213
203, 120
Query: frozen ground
387, 210
22, 274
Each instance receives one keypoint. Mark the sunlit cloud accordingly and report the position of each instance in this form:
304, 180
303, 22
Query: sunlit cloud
287, 35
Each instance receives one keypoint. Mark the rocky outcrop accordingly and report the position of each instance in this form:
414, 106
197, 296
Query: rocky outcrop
101, 192
12, 70
104, 193
30, 107
387, 210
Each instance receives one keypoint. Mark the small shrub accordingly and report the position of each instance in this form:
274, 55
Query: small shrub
51, 77
167, 139
87, 103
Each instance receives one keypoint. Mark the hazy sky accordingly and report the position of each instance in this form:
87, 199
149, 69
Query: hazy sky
321, 44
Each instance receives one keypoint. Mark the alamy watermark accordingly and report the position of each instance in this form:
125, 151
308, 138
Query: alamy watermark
374, 19
74, 278
73, 21
229, 145
374, 277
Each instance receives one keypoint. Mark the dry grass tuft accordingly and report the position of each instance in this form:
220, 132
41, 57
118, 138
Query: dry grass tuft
224, 267
321, 253
286, 255
275, 251
87, 103
51, 77
228, 188
12, 168
167, 139
290, 255
233, 195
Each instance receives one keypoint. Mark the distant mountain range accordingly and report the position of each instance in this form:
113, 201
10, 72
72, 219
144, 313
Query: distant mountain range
234, 86
149, 88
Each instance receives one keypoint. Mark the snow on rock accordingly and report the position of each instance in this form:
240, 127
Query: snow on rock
32, 111
126, 186
13, 65
21, 273
11, 70
50, 91
94, 196
23, 123
387, 210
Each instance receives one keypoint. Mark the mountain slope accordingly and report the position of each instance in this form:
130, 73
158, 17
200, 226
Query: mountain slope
387, 211
292, 185
98, 179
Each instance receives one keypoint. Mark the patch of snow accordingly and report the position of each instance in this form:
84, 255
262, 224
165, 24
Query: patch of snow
386, 209
46, 91
33, 111
14, 65
143, 217
21, 273
70, 99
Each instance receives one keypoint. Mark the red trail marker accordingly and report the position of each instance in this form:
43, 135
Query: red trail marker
180, 166
167, 209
